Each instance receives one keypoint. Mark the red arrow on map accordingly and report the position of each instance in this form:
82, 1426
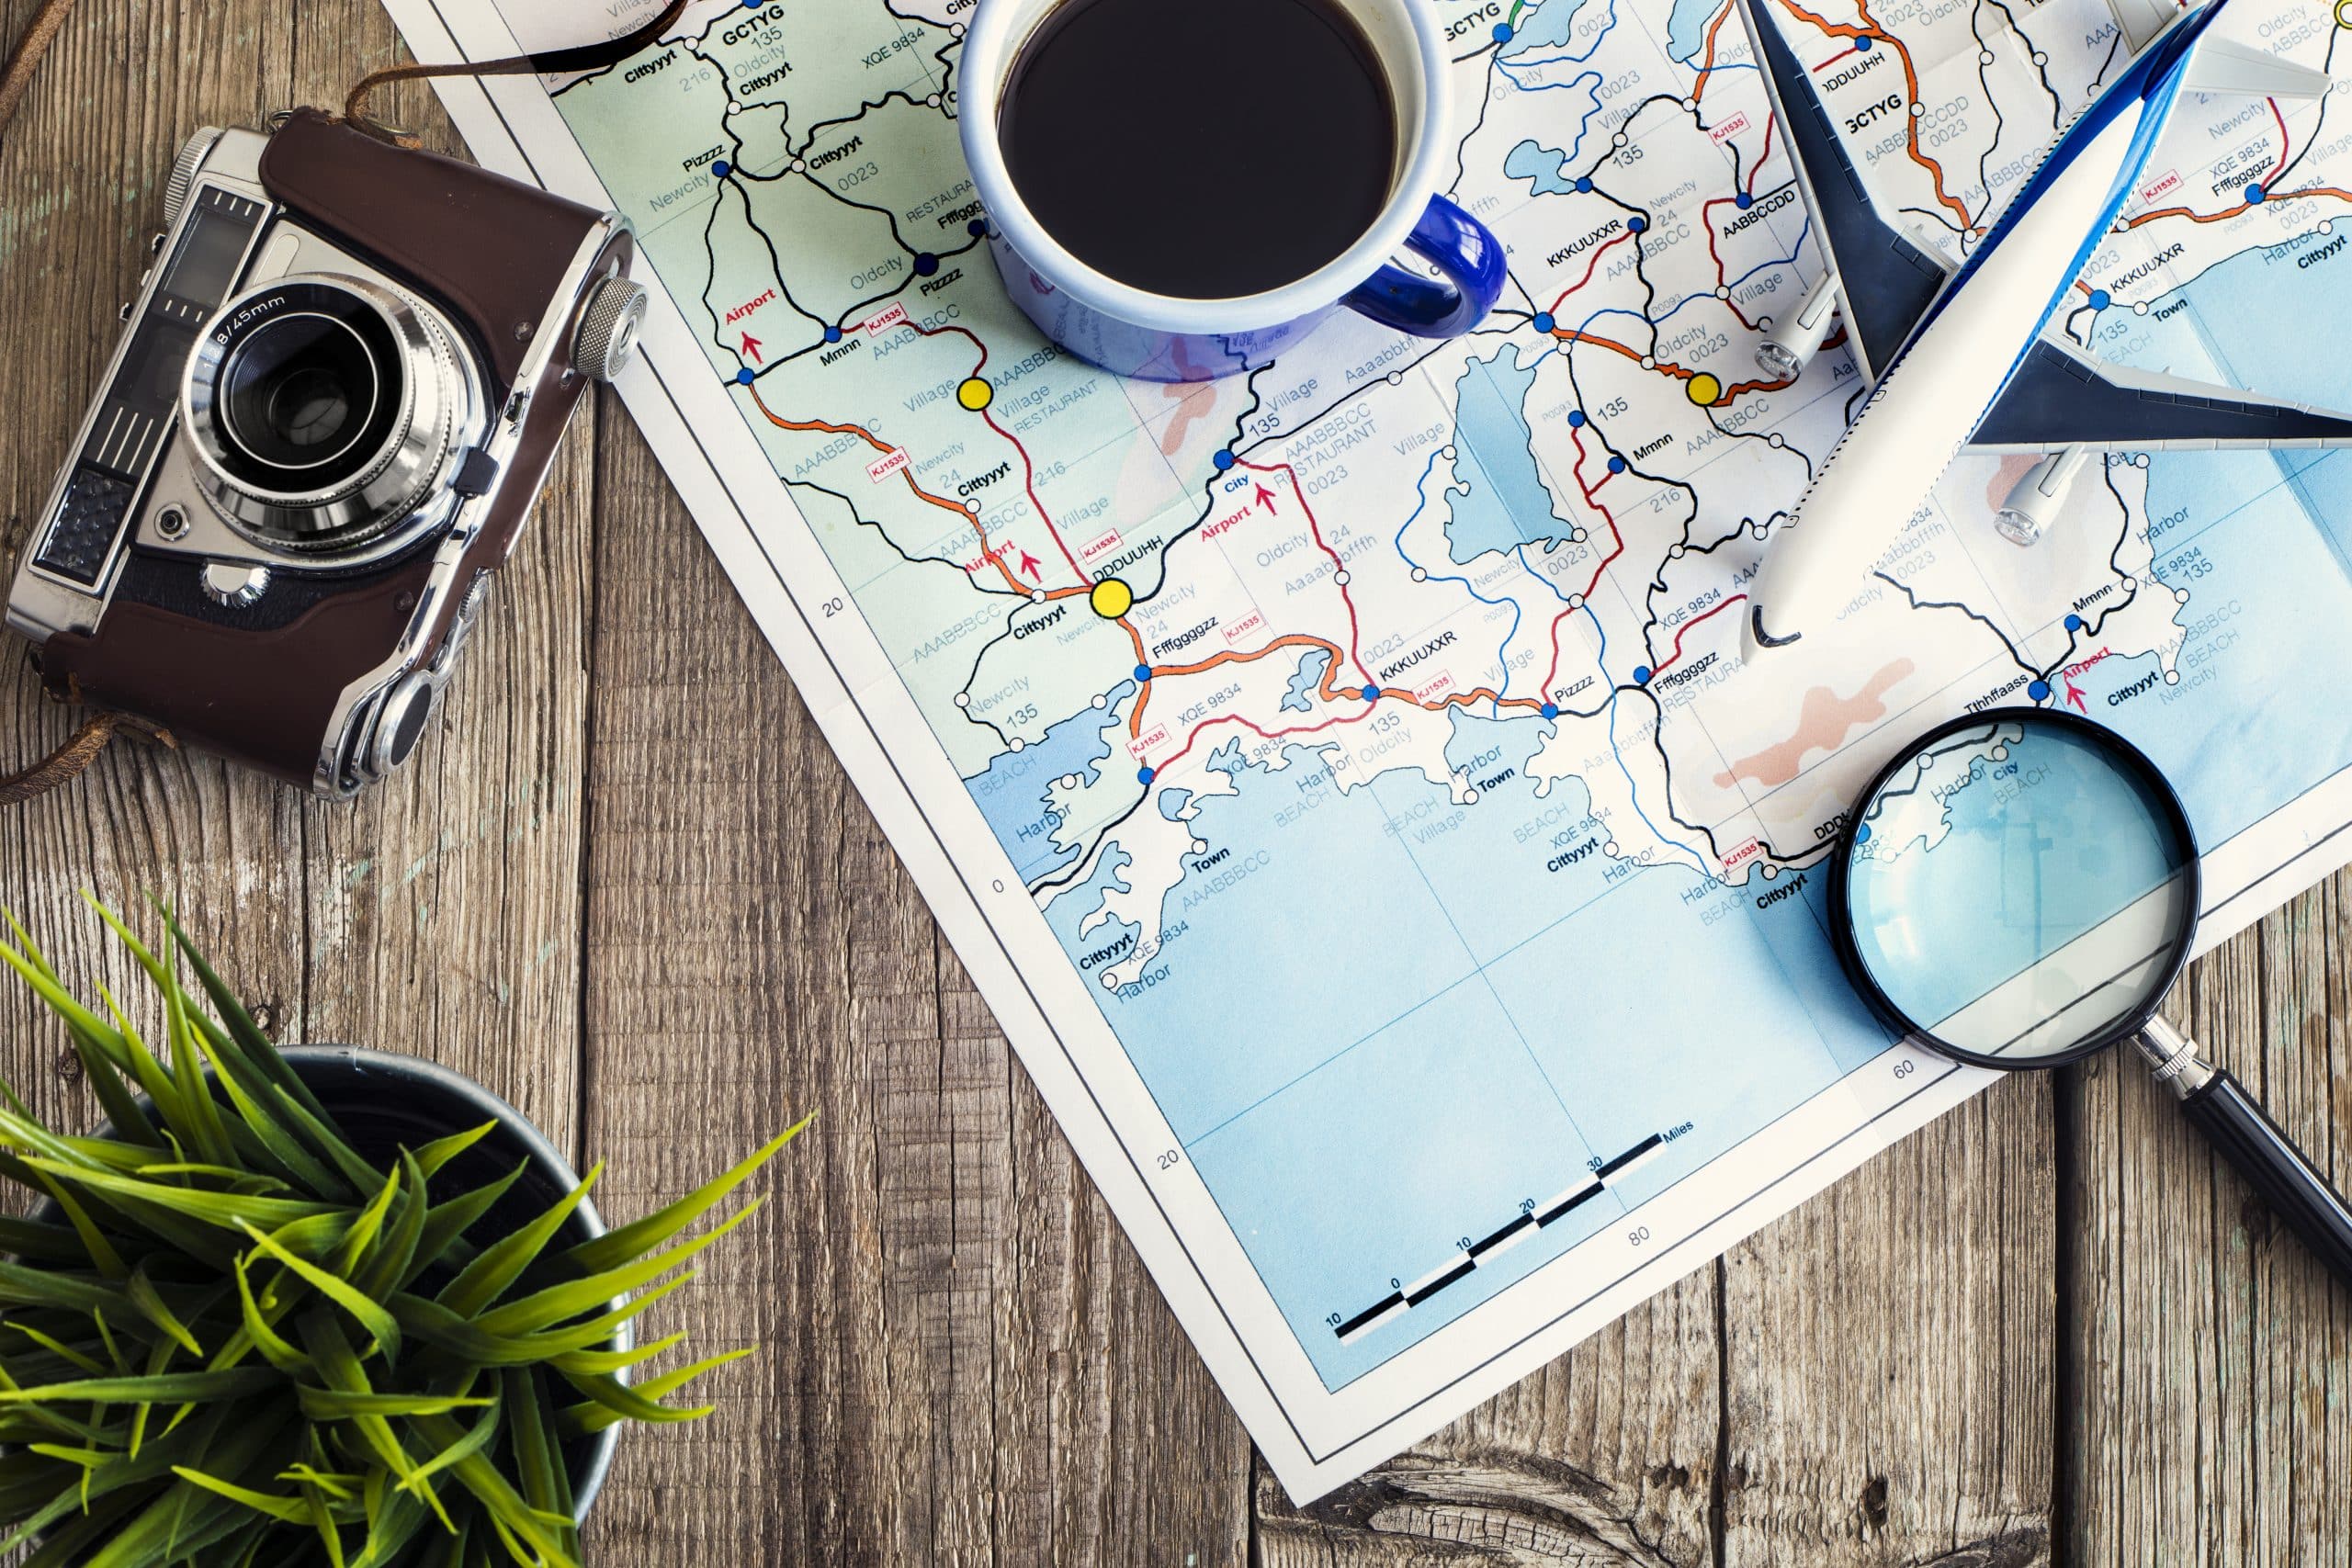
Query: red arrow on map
2074, 695
1265, 498
752, 347
1029, 568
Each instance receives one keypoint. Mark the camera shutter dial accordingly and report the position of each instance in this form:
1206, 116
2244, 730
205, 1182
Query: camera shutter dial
608, 329
193, 152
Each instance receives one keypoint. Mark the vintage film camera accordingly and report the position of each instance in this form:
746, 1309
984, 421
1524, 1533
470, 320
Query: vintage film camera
342, 387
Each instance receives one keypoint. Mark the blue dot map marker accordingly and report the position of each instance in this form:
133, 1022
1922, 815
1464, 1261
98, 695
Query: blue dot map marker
1641, 674
1545, 321
1862, 45
1371, 694
1224, 460
1584, 186
1743, 201
1636, 223
1144, 775
1616, 465
926, 265
744, 377
1576, 419
978, 228
722, 168
1143, 671
1551, 710
2039, 691
2253, 194
833, 335
2100, 299
2074, 623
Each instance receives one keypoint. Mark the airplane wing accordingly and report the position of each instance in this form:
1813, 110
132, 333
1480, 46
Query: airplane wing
2061, 397
1887, 266
2064, 396
1884, 282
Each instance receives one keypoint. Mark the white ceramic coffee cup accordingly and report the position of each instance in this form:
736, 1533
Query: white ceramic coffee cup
1161, 337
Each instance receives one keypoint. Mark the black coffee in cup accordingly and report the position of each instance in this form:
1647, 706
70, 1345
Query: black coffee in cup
1200, 149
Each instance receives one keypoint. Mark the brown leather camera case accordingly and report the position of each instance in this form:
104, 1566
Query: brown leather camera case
491, 252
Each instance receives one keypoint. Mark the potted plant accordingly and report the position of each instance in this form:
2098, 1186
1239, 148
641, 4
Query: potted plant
322, 1306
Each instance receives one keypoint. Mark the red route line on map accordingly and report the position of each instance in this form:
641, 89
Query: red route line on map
1327, 689
1591, 498
1771, 120
1589, 268
1028, 468
908, 474
1686, 625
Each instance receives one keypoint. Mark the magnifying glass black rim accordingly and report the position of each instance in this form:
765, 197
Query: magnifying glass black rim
2114, 748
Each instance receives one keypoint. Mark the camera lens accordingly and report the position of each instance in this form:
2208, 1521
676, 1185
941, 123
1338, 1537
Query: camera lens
328, 412
300, 391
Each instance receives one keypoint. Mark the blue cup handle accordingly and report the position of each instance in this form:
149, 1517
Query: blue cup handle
1461, 247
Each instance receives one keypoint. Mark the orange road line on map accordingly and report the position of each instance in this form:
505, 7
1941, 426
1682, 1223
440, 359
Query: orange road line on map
2243, 205
1871, 30
1571, 334
940, 502
1700, 90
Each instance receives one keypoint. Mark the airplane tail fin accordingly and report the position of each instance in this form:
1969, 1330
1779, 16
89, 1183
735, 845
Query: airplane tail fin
2223, 65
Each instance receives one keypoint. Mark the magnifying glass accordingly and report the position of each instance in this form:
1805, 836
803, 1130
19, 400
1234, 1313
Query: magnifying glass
2019, 890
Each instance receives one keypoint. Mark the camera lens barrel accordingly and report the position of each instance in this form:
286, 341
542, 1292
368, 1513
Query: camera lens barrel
326, 411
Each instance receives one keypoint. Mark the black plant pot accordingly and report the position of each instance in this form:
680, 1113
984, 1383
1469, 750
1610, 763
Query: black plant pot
385, 1100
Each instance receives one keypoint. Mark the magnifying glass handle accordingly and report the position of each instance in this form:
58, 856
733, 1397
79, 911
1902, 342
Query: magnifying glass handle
2249, 1140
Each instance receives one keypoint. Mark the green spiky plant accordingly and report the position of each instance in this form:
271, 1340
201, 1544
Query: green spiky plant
232, 1341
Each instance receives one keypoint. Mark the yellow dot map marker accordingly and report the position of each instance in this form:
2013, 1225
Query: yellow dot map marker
976, 394
1704, 390
1112, 598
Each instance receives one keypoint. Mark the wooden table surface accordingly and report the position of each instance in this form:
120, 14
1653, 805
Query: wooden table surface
626, 885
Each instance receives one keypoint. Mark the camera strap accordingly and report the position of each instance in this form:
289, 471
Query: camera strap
67, 762
547, 62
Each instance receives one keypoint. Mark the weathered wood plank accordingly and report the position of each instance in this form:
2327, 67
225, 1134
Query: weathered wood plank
81, 177
2214, 1391
962, 1361
1890, 1354
1606, 1459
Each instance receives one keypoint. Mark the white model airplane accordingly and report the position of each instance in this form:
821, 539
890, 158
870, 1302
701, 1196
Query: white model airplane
1971, 356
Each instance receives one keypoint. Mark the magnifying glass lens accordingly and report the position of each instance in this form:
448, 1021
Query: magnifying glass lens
2021, 890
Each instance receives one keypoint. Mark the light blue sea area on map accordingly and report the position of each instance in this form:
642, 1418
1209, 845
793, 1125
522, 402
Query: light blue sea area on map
1011, 793
2257, 717
1508, 505
2257, 321
1383, 1022
1307, 680
1467, 977
2261, 542
2044, 842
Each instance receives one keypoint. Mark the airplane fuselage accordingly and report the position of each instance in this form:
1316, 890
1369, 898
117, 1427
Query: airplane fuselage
1933, 393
